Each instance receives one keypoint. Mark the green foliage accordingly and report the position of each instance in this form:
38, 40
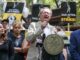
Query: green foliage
78, 8
50, 2
78, 12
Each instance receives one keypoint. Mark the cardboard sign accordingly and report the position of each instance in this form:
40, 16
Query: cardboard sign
68, 12
17, 16
13, 9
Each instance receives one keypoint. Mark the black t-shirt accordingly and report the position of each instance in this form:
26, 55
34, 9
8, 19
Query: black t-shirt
6, 50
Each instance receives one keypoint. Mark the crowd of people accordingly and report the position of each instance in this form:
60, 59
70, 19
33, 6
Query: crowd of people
14, 43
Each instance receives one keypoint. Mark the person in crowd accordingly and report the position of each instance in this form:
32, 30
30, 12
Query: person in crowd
43, 27
65, 49
75, 45
6, 46
5, 24
20, 44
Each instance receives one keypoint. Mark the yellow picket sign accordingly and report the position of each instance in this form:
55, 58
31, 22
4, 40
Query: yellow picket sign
17, 16
68, 33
